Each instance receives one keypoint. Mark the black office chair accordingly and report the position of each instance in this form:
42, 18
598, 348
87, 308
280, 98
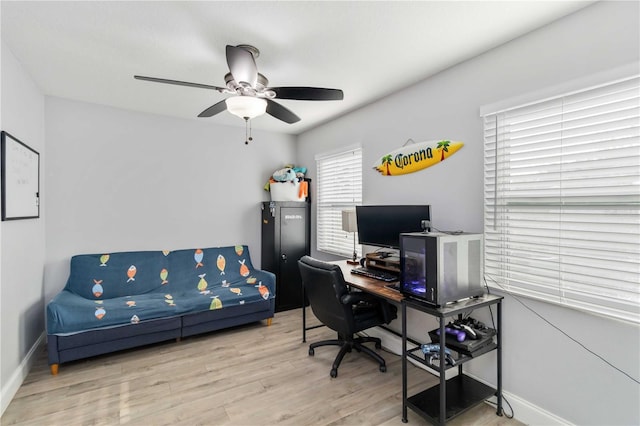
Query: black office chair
343, 311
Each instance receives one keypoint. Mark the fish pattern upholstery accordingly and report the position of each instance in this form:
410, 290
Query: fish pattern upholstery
110, 290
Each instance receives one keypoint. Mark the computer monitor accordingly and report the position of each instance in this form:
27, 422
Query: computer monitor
381, 226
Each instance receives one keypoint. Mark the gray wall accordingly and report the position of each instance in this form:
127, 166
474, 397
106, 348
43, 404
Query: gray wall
550, 377
21, 241
122, 181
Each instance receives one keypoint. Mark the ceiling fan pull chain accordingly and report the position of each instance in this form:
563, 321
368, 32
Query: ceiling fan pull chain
246, 130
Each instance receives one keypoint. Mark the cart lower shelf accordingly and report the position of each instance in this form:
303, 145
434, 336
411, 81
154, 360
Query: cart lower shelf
462, 392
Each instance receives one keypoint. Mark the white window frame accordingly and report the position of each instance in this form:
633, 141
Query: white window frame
338, 188
565, 228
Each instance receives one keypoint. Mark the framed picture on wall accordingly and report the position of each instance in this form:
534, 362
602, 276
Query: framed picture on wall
20, 179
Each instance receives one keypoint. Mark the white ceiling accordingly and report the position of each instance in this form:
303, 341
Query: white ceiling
89, 51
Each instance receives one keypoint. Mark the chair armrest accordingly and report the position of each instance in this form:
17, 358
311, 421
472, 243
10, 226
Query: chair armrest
357, 297
389, 312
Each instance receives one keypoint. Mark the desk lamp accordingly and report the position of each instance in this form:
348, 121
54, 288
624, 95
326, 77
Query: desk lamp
349, 224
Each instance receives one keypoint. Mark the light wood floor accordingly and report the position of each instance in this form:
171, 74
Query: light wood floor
250, 375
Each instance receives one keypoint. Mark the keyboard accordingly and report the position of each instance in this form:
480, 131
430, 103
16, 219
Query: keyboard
376, 274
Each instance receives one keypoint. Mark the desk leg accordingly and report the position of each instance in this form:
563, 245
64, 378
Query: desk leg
499, 373
404, 363
443, 376
460, 365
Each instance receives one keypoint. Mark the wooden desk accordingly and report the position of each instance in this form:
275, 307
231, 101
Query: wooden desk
370, 285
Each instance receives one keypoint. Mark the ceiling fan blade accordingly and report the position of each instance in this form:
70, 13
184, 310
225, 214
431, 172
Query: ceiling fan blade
242, 65
278, 111
308, 93
214, 109
178, 83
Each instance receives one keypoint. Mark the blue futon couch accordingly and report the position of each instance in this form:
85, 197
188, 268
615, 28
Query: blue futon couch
121, 300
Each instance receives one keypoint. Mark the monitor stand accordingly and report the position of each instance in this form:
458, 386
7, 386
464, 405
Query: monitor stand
381, 260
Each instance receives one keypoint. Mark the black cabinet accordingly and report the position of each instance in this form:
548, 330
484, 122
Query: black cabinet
286, 237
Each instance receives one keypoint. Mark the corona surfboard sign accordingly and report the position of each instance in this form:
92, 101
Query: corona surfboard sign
417, 156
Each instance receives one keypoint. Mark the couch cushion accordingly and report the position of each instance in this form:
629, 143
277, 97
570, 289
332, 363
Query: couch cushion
106, 276
69, 313
218, 264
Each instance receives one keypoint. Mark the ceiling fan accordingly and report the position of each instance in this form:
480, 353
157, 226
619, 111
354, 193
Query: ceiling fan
253, 97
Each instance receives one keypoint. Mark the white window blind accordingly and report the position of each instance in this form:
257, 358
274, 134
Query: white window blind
339, 187
562, 199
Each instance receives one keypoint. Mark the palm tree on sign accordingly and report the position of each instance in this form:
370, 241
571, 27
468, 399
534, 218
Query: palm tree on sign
386, 160
443, 146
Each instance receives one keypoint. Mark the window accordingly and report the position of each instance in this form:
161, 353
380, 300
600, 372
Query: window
339, 187
562, 199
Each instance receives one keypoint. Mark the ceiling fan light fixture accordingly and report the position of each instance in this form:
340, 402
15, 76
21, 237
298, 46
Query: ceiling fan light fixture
246, 106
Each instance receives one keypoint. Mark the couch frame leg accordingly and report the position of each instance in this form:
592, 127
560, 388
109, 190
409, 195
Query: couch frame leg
54, 369
269, 321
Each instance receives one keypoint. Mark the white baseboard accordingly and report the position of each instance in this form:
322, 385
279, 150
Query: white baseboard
18, 376
523, 410
529, 413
